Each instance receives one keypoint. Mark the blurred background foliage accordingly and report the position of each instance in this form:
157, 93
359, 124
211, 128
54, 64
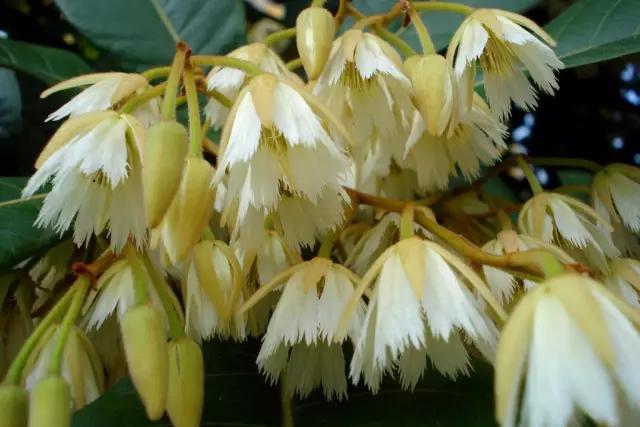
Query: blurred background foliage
595, 115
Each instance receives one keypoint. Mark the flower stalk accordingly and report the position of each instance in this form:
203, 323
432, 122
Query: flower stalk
193, 109
443, 6
423, 34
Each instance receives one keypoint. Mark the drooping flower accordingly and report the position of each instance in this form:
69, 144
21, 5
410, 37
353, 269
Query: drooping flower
616, 195
81, 366
93, 162
281, 161
212, 291
576, 345
566, 221
419, 308
228, 81
624, 279
301, 332
105, 91
500, 42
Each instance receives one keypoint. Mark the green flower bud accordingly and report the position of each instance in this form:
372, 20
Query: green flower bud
315, 29
14, 406
50, 403
185, 396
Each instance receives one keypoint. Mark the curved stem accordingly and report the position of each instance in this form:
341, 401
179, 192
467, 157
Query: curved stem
423, 34
566, 162
80, 289
327, 244
294, 64
341, 13
226, 61
364, 21
318, 3
406, 220
137, 100
528, 173
173, 82
165, 21
193, 109
395, 40
219, 96
285, 402
443, 6
278, 36
155, 73
176, 328
139, 275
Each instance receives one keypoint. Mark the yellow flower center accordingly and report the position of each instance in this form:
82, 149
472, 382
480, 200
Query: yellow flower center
498, 56
352, 79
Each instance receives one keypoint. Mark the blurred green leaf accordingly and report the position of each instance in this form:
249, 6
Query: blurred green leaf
19, 239
237, 395
134, 30
596, 30
10, 103
45, 63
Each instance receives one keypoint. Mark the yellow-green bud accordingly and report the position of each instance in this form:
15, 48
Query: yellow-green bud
50, 403
163, 160
315, 29
14, 406
186, 383
435, 92
144, 338
191, 209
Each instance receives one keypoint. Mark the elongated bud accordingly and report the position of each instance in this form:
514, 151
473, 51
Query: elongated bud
14, 406
50, 403
186, 383
163, 160
435, 92
315, 29
190, 210
145, 345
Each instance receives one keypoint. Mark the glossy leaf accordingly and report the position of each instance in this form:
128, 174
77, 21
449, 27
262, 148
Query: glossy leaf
10, 103
135, 32
19, 239
45, 63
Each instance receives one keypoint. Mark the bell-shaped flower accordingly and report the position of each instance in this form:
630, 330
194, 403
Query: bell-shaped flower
420, 308
364, 83
623, 279
212, 290
81, 366
93, 162
281, 161
563, 220
301, 333
105, 91
503, 43
615, 193
228, 81
573, 344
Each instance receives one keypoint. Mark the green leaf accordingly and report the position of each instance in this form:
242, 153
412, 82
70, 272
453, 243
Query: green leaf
135, 32
10, 103
237, 395
596, 30
45, 63
19, 239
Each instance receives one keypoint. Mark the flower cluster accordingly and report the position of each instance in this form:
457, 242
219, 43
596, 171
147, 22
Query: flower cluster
322, 223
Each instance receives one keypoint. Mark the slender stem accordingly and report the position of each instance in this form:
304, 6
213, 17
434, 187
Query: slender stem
137, 100
341, 13
155, 73
193, 108
423, 34
80, 289
176, 328
173, 82
566, 162
318, 3
327, 244
226, 61
364, 21
278, 36
285, 402
165, 21
14, 372
219, 96
528, 173
395, 40
443, 6
294, 64
139, 275
406, 220
353, 11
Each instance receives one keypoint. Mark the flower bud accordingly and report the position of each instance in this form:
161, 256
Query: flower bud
315, 29
185, 396
14, 406
145, 346
191, 208
163, 160
435, 92
50, 403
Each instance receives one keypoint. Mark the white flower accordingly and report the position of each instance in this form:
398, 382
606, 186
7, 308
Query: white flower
301, 332
576, 343
500, 42
81, 366
364, 84
502, 283
624, 279
213, 293
228, 81
93, 162
281, 161
106, 90
616, 195
419, 307
476, 140
553, 217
